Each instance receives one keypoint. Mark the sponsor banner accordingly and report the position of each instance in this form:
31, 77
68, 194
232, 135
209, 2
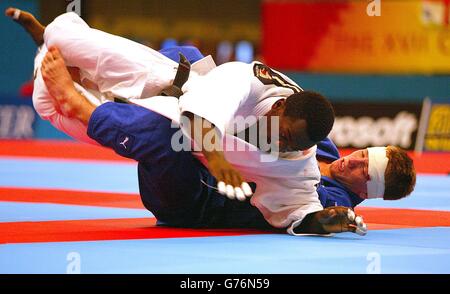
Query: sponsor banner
382, 36
437, 137
19, 120
362, 125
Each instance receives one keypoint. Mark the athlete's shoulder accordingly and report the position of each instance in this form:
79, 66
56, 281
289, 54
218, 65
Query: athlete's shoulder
270, 77
235, 67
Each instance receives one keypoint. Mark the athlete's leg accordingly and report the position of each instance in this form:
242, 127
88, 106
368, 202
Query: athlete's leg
172, 183
124, 68
49, 109
61, 87
34, 28
43, 103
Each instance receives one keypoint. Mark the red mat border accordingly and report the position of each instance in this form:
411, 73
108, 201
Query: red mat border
426, 163
57, 150
145, 228
69, 197
103, 230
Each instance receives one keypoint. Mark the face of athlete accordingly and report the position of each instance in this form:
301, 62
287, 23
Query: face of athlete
353, 172
292, 134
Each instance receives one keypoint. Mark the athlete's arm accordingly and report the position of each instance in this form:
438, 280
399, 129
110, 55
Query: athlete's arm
230, 180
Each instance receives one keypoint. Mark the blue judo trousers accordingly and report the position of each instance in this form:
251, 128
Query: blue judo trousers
174, 186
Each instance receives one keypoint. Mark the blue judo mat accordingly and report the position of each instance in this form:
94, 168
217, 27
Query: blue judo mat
419, 250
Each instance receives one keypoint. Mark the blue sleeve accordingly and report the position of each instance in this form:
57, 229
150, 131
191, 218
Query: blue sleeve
327, 149
131, 131
190, 52
333, 196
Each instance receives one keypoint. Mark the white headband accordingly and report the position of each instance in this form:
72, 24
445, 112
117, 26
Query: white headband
378, 162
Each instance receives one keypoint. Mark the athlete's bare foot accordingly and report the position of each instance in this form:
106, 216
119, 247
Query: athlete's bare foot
29, 23
61, 87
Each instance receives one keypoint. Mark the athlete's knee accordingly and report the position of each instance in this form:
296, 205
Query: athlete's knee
64, 24
68, 18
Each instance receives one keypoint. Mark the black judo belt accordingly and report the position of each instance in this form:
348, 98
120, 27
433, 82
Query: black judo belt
183, 72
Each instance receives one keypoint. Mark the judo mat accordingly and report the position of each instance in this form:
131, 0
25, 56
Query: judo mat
72, 208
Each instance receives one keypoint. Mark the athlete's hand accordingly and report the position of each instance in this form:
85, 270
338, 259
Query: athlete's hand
230, 181
341, 219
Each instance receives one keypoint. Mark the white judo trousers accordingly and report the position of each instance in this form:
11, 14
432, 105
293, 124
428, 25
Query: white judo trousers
44, 104
286, 190
119, 68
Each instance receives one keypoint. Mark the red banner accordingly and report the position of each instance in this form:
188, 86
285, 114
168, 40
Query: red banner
384, 36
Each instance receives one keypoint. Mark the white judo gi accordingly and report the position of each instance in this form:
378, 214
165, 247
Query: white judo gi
121, 68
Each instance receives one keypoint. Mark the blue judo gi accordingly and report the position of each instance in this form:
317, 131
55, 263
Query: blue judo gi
174, 186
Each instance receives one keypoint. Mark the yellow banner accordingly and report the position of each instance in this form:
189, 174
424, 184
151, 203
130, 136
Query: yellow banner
438, 133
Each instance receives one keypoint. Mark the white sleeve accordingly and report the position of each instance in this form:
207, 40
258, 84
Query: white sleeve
218, 96
299, 215
286, 208
285, 200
